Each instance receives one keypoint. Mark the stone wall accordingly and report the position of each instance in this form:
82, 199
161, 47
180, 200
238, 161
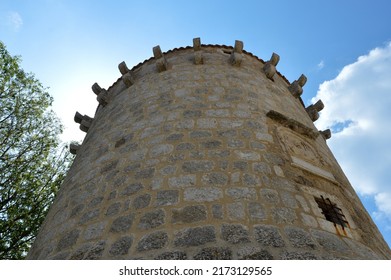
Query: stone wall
204, 153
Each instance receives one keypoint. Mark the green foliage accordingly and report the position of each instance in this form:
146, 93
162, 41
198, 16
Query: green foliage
32, 163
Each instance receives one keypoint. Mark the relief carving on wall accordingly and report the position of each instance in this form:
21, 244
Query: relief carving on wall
303, 154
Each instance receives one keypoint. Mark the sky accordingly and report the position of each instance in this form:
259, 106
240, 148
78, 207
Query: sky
342, 46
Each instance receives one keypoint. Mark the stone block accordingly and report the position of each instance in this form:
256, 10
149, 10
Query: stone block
240, 193
168, 170
214, 179
132, 189
122, 224
330, 242
283, 215
211, 144
142, 201
113, 209
214, 253
121, 246
197, 166
185, 146
299, 238
256, 211
175, 137
175, 255
89, 216
247, 155
184, 181
152, 219
217, 113
195, 236
235, 234
167, 197
199, 134
240, 165
217, 211
94, 231
96, 250
145, 173
189, 214
298, 256
191, 114
68, 240
270, 196
251, 180
205, 194
153, 241
206, 123
236, 211
268, 235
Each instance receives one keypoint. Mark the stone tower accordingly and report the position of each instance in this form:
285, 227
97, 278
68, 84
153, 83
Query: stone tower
205, 152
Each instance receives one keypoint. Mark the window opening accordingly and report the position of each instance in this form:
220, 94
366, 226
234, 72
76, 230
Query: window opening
331, 211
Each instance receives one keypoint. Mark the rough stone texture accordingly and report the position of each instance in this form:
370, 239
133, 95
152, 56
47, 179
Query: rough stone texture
195, 236
69, 239
122, 224
169, 197
235, 234
172, 256
189, 214
155, 240
214, 253
268, 236
121, 246
152, 219
206, 161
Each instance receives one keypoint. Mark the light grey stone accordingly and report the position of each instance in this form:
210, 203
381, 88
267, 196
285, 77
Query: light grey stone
203, 194
182, 181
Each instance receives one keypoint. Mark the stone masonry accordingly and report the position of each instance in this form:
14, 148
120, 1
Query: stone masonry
205, 152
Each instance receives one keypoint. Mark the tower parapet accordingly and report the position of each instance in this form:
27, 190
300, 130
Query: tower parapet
205, 152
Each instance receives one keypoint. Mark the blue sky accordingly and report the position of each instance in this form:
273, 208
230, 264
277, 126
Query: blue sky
343, 47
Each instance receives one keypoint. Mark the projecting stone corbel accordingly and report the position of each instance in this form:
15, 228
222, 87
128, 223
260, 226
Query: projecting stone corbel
102, 94
161, 62
73, 148
270, 66
296, 88
325, 133
127, 76
313, 110
198, 59
237, 54
84, 121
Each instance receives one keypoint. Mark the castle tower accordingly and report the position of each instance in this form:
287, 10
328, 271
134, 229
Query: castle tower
205, 152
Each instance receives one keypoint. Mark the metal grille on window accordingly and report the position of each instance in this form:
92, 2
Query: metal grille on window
331, 212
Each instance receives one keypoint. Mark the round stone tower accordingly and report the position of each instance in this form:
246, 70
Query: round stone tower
205, 152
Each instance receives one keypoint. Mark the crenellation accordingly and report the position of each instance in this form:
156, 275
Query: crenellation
270, 66
237, 53
102, 94
313, 110
326, 133
84, 121
296, 88
161, 62
198, 59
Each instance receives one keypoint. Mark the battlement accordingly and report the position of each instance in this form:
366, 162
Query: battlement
200, 54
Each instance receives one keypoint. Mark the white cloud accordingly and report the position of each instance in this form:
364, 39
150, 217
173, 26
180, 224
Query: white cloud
357, 109
14, 20
320, 65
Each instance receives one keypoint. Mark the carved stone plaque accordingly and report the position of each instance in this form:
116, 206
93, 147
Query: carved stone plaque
303, 154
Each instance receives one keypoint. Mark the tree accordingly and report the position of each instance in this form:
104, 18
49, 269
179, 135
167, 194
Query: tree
32, 162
